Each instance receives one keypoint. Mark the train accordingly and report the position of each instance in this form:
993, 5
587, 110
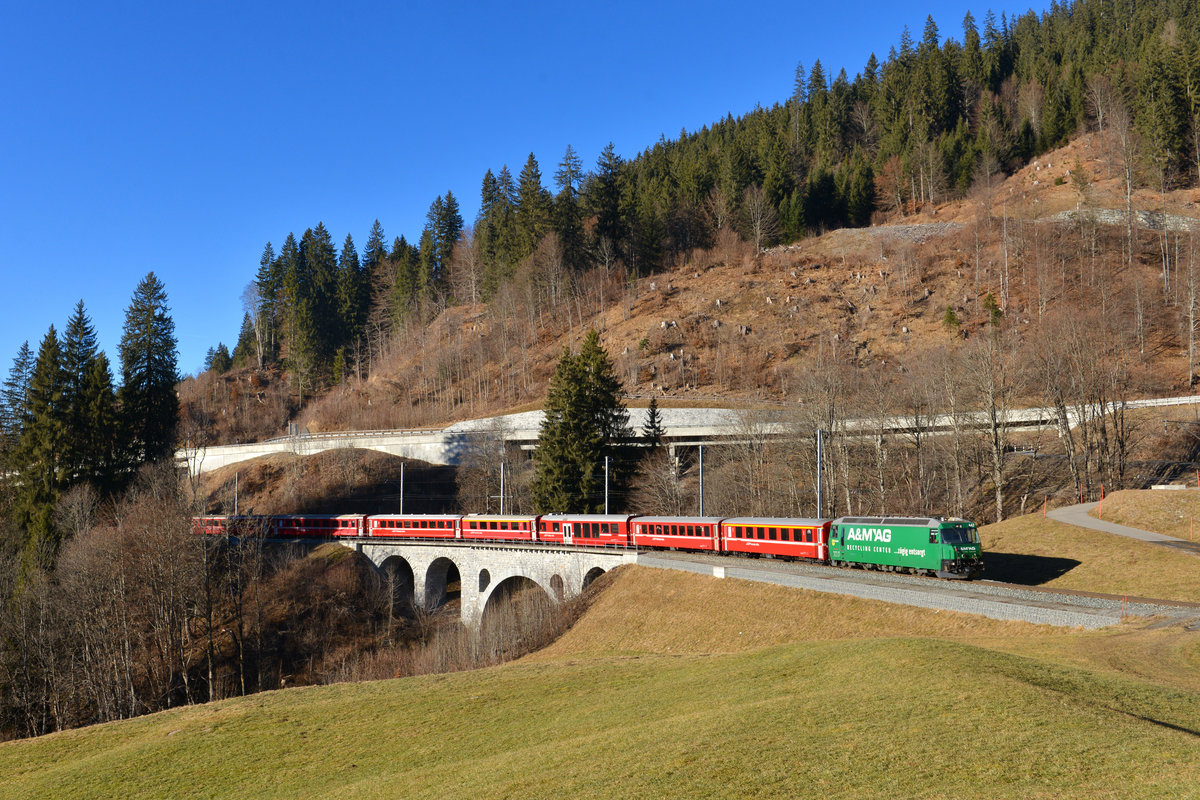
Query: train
944, 547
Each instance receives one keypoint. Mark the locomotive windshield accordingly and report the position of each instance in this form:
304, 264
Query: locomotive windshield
960, 534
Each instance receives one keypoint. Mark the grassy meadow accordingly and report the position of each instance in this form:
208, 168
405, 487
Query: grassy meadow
677, 685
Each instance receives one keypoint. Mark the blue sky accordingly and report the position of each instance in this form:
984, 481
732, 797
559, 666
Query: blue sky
181, 137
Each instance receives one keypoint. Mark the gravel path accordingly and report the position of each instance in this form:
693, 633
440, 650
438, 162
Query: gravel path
1078, 516
994, 600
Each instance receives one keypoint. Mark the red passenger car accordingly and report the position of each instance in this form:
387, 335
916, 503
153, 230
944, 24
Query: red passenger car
489, 527
240, 526
680, 533
414, 526
318, 525
210, 526
792, 537
588, 530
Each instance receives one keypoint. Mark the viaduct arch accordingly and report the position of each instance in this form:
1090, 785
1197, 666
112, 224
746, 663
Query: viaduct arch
425, 571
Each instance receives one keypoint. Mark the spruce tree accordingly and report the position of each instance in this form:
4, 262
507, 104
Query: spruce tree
101, 462
533, 207
353, 294
604, 197
149, 405
221, 360
39, 459
14, 401
568, 217
652, 430
244, 351
79, 353
585, 422
269, 289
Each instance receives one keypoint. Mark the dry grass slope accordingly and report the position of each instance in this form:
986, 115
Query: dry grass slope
1169, 512
827, 709
1031, 549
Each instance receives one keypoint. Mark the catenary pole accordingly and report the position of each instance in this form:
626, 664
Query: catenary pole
820, 505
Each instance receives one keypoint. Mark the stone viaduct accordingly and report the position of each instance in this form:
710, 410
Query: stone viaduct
427, 569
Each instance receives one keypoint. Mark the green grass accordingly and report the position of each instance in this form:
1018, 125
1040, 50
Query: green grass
883, 718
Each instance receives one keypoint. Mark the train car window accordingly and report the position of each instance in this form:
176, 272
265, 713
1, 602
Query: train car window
808, 535
556, 527
772, 533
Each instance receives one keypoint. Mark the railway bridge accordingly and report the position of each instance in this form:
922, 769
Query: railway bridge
426, 570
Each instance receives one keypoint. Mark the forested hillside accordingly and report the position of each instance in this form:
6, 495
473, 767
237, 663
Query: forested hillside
925, 124
1029, 189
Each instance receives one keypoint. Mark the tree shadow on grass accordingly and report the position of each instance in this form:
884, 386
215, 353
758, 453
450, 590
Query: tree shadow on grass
1025, 569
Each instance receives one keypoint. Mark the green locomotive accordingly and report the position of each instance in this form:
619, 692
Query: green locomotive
948, 548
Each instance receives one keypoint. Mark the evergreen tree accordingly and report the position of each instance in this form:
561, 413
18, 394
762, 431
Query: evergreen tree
376, 251
40, 456
269, 288
568, 217
319, 310
221, 361
585, 422
427, 266
14, 401
149, 404
353, 295
533, 207
79, 353
604, 197
101, 463
405, 263
293, 293
244, 350
652, 430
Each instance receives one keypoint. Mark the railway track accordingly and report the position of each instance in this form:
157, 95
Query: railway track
992, 599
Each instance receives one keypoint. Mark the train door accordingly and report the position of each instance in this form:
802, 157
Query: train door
567, 532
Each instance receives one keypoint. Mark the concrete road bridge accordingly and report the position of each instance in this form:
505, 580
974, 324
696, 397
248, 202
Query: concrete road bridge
425, 570
683, 427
